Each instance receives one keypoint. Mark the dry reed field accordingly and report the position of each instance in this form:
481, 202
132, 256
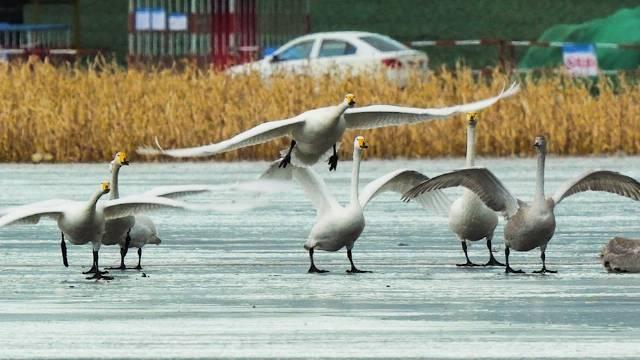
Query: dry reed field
80, 113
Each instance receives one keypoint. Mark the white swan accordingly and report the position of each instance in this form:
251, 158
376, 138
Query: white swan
529, 226
315, 132
84, 222
469, 218
139, 230
337, 226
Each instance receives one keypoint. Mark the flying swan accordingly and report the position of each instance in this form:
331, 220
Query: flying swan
469, 218
337, 226
528, 225
315, 132
135, 231
83, 222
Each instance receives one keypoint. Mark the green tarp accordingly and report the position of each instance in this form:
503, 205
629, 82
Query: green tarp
623, 27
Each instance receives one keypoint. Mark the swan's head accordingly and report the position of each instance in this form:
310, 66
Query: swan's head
472, 118
121, 158
105, 186
360, 143
350, 99
540, 143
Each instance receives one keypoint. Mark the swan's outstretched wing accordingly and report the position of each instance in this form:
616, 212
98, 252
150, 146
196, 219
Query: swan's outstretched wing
132, 205
479, 180
257, 135
314, 187
44, 203
32, 213
401, 181
375, 116
176, 191
600, 180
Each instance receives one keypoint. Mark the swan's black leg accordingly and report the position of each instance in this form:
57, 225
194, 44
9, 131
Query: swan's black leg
492, 260
63, 247
97, 274
139, 267
287, 158
313, 268
353, 269
464, 248
544, 266
508, 269
333, 160
123, 253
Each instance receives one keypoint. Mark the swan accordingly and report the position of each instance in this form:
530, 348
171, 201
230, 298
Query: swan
528, 226
621, 255
138, 230
469, 218
83, 222
340, 226
315, 132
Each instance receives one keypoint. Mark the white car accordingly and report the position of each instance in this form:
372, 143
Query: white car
343, 52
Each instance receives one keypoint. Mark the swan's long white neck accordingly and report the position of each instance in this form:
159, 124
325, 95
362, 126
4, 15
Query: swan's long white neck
471, 145
355, 175
115, 169
91, 205
539, 194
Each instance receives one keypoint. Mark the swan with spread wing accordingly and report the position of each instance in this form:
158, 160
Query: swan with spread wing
316, 132
528, 226
340, 226
135, 231
83, 222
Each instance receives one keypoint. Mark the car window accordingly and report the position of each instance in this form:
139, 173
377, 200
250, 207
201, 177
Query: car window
383, 44
296, 52
331, 48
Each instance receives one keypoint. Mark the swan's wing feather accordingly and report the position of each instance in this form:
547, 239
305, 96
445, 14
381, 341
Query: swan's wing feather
375, 116
400, 181
257, 135
176, 191
132, 205
600, 180
479, 180
32, 213
315, 188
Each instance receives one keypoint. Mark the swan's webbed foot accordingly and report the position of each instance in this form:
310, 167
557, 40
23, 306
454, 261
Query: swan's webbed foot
122, 267
333, 159
493, 262
285, 161
544, 270
138, 267
468, 264
314, 269
93, 270
100, 275
509, 270
355, 270
333, 162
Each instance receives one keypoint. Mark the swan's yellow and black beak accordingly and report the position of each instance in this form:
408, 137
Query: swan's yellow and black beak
106, 187
472, 118
361, 142
122, 158
350, 99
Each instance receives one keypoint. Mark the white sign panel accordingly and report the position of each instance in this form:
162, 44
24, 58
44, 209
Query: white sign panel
158, 19
143, 19
580, 59
178, 22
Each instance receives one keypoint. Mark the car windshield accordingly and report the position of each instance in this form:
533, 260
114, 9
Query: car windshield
296, 52
330, 48
383, 44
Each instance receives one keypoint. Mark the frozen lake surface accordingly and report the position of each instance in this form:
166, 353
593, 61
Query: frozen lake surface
235, 285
